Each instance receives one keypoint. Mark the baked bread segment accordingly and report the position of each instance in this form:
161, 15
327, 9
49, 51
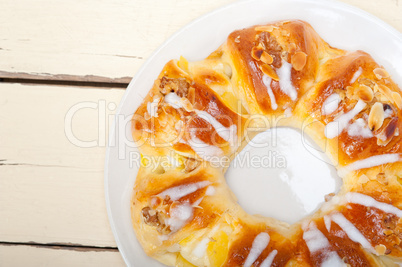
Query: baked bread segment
275, 64
199, 114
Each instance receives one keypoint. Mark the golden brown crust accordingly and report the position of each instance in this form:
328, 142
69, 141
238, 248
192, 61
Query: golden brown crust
199, 114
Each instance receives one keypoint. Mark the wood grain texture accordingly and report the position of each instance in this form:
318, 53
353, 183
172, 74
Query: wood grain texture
106, 40
97, 39
39, 256
51, 191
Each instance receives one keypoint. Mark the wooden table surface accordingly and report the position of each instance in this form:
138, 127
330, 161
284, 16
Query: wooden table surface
55, 55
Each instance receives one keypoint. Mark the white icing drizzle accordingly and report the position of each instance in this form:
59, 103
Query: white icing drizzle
210, 191
177, 192
204, 150
335, 128
388, 113
314, 238
327, 222
285, 82
227, 134
267, 82
356, 75
201, 248
173, 100
369, 162
368, 201
152, 107
269, 259
360, 128
332, 260
330, 104
260, 242
352, 232
179, 216
288, 112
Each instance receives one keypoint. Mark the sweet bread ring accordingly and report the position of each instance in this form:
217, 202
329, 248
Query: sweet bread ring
197, 116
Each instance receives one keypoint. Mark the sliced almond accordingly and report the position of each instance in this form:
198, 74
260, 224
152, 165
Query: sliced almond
268, 70
186, 104
382, 179
365, 93
256, 52
380, 249
388, 132
380, 73
366, 81
363, 179
299, 60
350, 92
397, 99
384, 90
191, 164
388, 232
265, 28
266, 58
376, 116
191, 95
237, 39
329, 196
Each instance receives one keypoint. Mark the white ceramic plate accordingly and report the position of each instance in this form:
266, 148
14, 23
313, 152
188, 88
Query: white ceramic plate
340, 25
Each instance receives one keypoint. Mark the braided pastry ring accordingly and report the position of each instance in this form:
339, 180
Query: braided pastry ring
183, 212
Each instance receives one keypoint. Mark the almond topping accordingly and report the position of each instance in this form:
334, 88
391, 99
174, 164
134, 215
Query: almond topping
266, 58
268, 70
397, 99
329, 196
388, 232
298, 60
191, 164
382, 179
384, 90
363, 179
376, 116
365, 93
237, 39
380, 73
186, 104
370, 83
191, 95
256, 52
380, 249
388, 132
266, 28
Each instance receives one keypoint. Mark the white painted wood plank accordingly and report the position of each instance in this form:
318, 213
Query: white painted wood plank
103, 38
97, 40
51, 191
35, 256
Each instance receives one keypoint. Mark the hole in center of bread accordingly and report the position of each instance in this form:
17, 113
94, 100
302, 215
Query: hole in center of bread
282, 174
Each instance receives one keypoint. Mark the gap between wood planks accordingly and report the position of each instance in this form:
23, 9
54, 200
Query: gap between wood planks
65, 246
64, 79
